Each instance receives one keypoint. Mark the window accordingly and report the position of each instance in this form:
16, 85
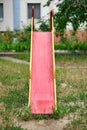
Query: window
1, 11
36, 10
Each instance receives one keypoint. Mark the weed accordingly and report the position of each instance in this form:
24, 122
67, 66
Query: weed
83, 96
24, 113
12, 127
70, 98
15, 98
22, 56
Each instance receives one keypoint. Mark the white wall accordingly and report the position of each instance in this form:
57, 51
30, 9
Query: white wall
23, 16
7, 21
24, 21
23, 13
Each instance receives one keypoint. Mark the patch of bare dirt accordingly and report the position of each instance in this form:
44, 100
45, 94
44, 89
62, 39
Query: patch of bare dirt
44, 124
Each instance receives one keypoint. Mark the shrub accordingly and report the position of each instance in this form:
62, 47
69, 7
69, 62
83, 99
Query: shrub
21, 46
1, 37
72, 39
60, 46
8, 36
70, 46
17, 46
44, 26
5, 46
27, 28
22, 36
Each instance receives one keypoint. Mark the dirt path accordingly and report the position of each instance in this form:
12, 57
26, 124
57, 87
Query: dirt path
45, 124
14, 60
26, 62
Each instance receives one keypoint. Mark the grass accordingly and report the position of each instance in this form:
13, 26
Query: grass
68, 60
71, 93
22, 56
13, 89
61, 59
12, 127
74, 95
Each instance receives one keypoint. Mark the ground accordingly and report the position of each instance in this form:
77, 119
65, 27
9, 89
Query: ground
50, 124
71, 75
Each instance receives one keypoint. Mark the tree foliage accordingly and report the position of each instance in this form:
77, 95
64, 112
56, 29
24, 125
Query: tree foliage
44, 26
73, 11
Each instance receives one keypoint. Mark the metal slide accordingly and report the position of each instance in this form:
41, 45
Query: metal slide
42, 92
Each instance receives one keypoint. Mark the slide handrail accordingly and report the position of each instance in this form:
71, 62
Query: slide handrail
54, 73
51, 16
30, 68
33, 18
54, 68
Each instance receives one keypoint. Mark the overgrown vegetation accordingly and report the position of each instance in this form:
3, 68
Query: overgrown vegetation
70, 46
17, 40
61, 59
22, 56
23, 46
44, 26
68, 11
71, 93
73, 61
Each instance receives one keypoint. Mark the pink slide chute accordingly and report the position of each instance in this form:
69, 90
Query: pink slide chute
42, 81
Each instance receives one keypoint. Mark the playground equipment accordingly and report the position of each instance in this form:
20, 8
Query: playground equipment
42, 82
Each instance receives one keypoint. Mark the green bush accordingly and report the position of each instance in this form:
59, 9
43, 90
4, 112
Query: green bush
7, 36
80, 46
63, 46
44, 26
5, 46
1, 38
70, 46
22, 36
17, 46
25, 46
21, 46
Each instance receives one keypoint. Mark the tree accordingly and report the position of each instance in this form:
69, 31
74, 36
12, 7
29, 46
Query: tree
73, 11
44, 26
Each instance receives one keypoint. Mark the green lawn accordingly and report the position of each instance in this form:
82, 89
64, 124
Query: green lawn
13, 90
68, 60
71, 92
22, 56
61, 59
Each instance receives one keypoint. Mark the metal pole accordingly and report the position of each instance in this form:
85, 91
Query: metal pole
33, 16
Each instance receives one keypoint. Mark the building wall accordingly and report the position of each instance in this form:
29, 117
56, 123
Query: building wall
7, 21
44, 13
16, 14
23, 12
